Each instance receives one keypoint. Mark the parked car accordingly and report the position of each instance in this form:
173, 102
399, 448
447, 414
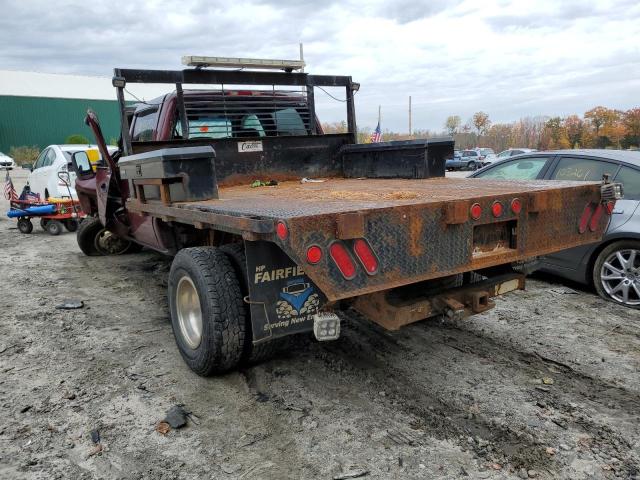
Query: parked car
613, 265
6, 161
512, 152
451, 163
43, 178
467, 159
487, 155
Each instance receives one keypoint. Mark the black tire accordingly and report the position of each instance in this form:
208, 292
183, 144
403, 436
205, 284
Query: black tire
86, 235
221, 305
71, 225
472, 166
252, 354
43, 223
54, 227
25, 225
619, 246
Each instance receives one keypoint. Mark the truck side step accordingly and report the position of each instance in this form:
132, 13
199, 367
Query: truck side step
454, 303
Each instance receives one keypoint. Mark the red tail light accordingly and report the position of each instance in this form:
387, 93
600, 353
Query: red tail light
366, 256
595, 219
584, 219
282, 231
476, 211
342, 259
610, 206
516, 206
496, 209
314, 254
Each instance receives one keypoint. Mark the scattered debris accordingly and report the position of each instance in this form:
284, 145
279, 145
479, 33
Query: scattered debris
312, 180
95, 436
96, 449
176, 416
26, 408
163, 428
547, 380
353, 471
563, 291
69, 396
70, 305
550, 451
260, 183
230, 468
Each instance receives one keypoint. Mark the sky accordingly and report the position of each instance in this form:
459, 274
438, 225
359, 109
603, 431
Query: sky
510, 59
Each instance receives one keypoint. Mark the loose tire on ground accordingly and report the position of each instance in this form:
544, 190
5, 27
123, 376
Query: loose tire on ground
54, 227
86, 235
252, 354
629, 273
25, 225
218, 346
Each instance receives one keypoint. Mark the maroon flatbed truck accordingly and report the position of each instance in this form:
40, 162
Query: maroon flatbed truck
332, 225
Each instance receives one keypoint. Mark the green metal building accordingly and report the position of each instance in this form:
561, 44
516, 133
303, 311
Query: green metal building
41, 121
39, 109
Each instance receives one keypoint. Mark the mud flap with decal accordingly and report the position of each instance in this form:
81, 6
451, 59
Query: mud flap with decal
283, 299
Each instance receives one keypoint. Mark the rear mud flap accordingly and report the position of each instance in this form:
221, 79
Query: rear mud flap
283, 299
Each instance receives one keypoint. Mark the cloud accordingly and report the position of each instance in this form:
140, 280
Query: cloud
508, 58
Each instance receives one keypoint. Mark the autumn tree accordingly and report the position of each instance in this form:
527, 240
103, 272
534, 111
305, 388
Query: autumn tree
631, 120
452, 124
574, 127
481, 122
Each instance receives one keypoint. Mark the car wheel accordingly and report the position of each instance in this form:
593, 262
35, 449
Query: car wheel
471, 166
25, 225
43, 223
207, 310
71, 225
252, 354
54, 227
616, 273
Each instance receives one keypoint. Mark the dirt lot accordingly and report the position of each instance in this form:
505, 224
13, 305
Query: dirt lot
546, 385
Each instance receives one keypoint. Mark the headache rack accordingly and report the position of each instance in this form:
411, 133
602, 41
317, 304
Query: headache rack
246, 113
286, 108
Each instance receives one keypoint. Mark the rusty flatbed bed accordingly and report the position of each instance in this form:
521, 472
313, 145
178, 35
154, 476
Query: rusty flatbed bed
422, 229
338, 195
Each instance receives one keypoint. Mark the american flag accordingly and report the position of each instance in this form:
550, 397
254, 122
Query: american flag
9, 192
376, 136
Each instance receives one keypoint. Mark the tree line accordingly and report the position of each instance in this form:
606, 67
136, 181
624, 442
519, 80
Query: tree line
599, 127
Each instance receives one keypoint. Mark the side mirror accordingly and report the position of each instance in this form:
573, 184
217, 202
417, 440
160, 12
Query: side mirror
81, 164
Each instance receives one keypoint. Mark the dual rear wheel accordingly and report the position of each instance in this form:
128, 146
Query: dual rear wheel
211, 321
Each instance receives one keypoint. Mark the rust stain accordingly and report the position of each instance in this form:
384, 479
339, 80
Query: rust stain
416, 241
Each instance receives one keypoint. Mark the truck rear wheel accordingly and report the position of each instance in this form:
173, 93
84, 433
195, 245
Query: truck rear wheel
207, 310
252, 354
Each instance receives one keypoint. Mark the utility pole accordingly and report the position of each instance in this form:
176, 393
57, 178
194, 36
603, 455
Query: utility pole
410, 116
301, 56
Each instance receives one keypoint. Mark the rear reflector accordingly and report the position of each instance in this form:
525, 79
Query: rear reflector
342, 259
496, 209
584, 219
314, 254
282, 231
595, 219
476, 211
516, 206
610, 206
366, 256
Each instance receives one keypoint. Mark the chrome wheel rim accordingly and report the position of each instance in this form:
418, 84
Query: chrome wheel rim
620, 276
109, 244
189, 312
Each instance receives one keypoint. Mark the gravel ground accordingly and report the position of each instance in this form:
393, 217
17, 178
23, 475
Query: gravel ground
545, 385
